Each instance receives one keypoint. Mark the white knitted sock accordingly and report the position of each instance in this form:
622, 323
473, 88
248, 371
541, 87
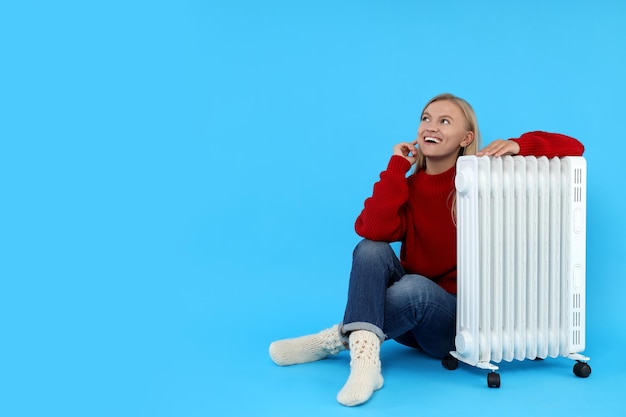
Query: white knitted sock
365, 371
307, 348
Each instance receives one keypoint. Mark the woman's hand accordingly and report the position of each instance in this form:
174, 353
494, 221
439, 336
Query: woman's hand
407, 150
500, 147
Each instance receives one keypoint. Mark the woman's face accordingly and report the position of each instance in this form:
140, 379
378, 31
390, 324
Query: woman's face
442, 131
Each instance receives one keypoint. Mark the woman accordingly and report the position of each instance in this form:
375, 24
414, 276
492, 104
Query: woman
411, 299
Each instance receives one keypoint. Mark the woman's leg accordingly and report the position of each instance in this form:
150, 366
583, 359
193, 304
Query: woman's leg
375, 267
419, 313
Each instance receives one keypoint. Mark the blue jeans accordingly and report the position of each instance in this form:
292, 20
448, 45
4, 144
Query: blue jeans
411, 309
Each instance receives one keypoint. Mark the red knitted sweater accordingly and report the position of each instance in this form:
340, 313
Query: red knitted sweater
415, 210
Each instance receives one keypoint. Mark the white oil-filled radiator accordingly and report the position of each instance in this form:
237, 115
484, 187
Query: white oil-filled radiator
521, 224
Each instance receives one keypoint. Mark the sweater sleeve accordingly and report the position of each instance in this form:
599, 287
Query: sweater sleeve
551, 145
383, 217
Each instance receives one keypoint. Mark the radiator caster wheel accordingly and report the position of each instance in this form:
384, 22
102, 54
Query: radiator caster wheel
493, 380
582, 369
450, 362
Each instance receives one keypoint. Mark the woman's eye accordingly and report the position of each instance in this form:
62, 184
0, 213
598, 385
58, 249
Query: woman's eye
445, 121
425, 118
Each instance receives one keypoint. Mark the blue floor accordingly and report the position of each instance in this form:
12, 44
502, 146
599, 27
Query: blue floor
185, 351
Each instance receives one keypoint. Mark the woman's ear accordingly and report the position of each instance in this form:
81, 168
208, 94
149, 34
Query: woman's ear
468, 139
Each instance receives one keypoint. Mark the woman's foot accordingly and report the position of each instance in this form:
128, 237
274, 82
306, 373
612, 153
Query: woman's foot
307, 348
365, 370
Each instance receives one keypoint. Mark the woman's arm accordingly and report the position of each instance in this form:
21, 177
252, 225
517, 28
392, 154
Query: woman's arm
536, 143
383, 216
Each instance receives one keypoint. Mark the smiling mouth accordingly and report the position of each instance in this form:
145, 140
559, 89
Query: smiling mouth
431, 139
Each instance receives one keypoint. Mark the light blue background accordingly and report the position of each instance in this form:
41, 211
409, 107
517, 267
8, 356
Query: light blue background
179, 183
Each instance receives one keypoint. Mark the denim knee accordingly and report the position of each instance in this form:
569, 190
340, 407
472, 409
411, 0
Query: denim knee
372, 249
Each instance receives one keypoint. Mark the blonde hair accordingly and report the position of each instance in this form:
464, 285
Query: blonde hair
471, 125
